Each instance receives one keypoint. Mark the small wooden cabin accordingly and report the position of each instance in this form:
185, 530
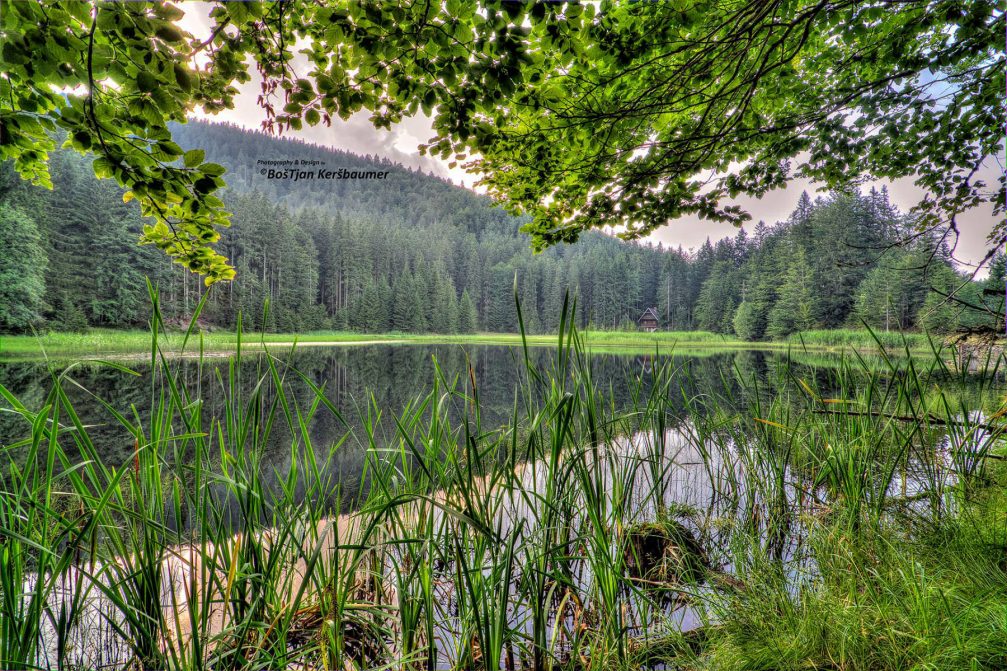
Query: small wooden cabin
648, 321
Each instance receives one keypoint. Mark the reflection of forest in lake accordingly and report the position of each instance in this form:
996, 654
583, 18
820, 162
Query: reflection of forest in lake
396, 377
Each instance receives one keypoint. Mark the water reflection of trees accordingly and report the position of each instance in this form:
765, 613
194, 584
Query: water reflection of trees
393, 378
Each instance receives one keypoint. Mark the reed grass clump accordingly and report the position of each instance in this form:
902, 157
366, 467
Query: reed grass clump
793, 529
861, 338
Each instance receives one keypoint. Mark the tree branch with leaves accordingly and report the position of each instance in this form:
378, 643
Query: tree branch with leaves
621, 114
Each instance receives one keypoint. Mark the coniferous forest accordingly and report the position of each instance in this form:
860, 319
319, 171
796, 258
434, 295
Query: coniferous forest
414, 253
227, 444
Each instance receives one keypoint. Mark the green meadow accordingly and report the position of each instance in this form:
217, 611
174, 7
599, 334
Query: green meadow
100, 342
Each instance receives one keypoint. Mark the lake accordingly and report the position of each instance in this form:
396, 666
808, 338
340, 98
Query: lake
626, 478
361, 380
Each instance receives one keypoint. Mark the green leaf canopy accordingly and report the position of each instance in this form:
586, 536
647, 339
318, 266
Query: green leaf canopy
627, 114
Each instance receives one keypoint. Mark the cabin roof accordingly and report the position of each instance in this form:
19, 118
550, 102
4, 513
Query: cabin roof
649, 313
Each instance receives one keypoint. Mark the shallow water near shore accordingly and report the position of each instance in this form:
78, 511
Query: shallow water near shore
387, 377
643, 490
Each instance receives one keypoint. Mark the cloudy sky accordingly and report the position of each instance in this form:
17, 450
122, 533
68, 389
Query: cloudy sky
357, 135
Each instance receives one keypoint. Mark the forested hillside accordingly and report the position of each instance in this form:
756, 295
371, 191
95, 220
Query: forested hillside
412, 252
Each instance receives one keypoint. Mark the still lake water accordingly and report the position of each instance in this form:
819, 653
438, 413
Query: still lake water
372, 384
359, 379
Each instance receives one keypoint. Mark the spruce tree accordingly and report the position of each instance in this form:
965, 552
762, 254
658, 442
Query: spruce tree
403, 303
994, 290
892, 292
717, 300
468, 320
22, 270
795, 308
745, 321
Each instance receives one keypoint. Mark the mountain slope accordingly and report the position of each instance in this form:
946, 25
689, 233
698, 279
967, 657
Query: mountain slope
406, 252
412, 252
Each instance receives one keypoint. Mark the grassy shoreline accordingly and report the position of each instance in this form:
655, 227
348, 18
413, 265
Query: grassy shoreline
98, 342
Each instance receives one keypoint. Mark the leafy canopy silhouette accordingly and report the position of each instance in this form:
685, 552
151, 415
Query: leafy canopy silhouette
627, 114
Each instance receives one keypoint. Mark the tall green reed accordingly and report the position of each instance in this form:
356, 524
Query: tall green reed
470, 546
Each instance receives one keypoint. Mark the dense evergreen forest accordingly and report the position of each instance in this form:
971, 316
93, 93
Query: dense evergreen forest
412, 252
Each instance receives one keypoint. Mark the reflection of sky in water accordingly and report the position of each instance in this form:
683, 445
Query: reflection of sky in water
703, 483
710, 479
390, 377
357, 380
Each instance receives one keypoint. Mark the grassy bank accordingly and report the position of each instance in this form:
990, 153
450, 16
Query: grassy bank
862, 529
99, 342
860, 338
